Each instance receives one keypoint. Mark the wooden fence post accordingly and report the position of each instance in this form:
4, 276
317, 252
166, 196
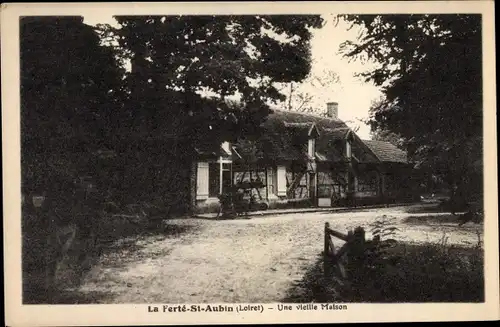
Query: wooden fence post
356, 251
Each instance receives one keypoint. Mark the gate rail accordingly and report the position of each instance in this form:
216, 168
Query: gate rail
348, 257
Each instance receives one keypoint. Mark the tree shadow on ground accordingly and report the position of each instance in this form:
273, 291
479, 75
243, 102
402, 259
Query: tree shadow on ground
117, 248
412, 274
443, 221
432, 207
119, 251
34, 296
313, 287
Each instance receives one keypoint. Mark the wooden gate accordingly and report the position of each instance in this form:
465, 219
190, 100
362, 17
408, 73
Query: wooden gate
346, 258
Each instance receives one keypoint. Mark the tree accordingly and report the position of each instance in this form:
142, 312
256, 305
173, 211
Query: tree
177, 61
69, 81
69, 84
430, 70
377, 132
69, 98
302, 97
186, 73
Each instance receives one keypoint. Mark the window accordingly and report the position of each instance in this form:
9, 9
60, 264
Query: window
325, 185
331, 184
301, 186
368, 182
348, 149
254, 178
391, 184
325, 191
213, 179
311, 149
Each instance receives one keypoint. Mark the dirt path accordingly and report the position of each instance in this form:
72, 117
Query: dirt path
251, 260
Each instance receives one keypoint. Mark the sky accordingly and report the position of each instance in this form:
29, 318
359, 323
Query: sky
353, 95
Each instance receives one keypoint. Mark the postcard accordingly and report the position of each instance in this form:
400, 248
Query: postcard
249, 162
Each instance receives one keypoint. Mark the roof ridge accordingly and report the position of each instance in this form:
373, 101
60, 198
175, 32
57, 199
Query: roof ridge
307, 114
376, 141
380, 141
336, 128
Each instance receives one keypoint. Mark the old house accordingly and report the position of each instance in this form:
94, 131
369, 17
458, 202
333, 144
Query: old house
304, 159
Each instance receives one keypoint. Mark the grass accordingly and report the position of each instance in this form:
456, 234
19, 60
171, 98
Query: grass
417, 273
431, 219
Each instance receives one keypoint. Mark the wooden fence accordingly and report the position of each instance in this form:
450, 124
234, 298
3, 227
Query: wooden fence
349, 257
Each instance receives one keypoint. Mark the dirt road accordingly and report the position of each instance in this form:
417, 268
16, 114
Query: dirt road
247, 260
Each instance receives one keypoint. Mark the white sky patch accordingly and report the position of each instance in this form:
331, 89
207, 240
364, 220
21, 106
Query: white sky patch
100, 18
207, 92
352, 93
251, 50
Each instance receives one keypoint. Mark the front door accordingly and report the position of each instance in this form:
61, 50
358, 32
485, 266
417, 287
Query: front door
226, 180
312, 188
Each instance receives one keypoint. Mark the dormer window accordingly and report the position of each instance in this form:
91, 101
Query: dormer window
348, 151
313, 133
311, 147
226, 146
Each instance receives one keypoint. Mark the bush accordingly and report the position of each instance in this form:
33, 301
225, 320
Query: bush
426, 273
403, 272
396, 272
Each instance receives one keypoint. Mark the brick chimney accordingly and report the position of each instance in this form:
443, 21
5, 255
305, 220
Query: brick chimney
332, 110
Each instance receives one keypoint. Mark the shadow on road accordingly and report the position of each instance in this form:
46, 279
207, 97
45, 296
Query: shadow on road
119, 246
311, 288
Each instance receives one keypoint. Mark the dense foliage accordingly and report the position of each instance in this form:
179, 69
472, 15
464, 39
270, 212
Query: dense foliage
88, 123
430, 71
68, 80
76, 90
183, 68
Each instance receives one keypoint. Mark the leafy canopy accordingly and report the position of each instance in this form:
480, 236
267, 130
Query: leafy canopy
186, 67
430, 70
68, 80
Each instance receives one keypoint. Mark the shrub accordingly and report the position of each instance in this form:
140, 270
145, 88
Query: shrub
392, 271
404, 272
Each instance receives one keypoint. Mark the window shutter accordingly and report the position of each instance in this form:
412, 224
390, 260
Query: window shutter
202, 181
281, 175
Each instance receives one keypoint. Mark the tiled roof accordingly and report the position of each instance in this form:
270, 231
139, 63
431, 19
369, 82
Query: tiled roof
386, 151
285, 138
277, 142
292, 117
